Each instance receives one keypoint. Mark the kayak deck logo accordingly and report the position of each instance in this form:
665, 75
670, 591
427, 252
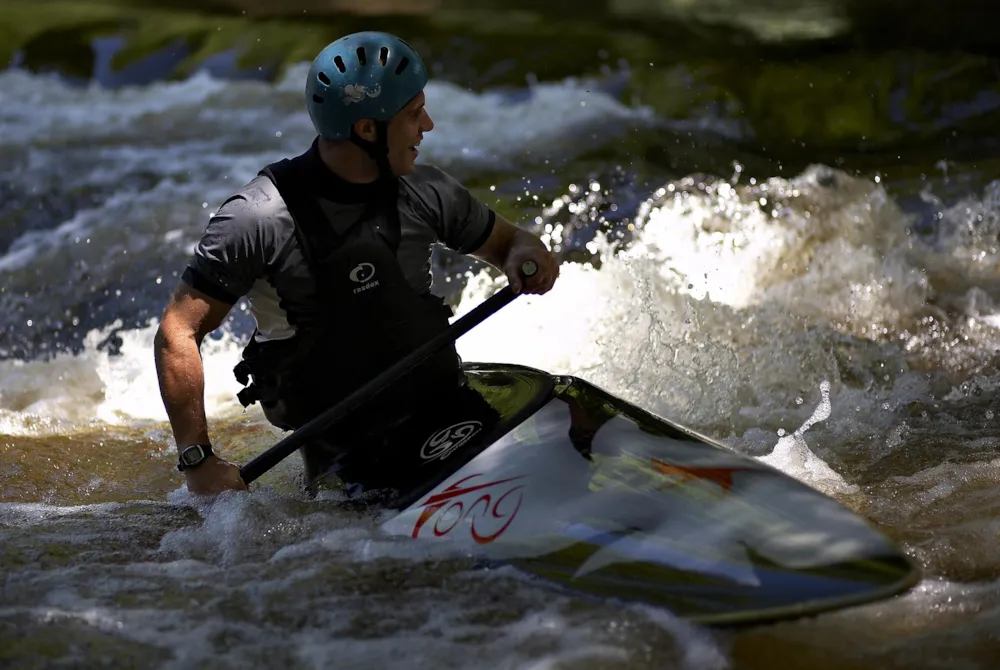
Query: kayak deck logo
364, 274
485, 508
443, 443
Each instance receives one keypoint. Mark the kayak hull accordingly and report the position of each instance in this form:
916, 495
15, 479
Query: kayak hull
593, 494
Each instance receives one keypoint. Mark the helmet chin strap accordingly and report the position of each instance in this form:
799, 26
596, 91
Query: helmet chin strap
377, 150
387, 181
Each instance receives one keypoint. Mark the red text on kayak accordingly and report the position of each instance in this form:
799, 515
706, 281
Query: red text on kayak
489, 507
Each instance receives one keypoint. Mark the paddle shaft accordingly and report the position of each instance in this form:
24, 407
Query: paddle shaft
274, 455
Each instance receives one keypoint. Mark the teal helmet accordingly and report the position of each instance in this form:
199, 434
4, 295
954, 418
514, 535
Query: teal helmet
367, 75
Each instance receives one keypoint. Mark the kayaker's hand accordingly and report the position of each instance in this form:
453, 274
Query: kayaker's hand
547, 266
214, 476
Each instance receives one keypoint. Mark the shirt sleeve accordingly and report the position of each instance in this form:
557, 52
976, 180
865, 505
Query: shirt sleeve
462, 222
236, 247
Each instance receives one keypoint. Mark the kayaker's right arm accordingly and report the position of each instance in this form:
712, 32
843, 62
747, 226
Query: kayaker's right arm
189, 317
232, 254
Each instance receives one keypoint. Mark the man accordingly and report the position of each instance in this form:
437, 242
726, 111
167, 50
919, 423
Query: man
332, 251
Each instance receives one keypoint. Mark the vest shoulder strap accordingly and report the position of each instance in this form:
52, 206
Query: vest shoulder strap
315, 236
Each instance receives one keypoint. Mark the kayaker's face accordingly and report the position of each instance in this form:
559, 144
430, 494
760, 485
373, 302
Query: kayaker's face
405, 132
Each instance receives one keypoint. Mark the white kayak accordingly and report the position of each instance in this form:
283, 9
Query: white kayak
594, 494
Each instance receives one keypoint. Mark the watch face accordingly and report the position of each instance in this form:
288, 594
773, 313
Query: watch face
192, 454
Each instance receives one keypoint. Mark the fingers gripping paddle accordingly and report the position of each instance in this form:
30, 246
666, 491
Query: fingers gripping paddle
267, 460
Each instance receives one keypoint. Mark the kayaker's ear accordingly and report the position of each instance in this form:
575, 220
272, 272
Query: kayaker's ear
365, 129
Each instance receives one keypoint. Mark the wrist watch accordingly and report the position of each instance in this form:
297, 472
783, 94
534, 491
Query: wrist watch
192, 456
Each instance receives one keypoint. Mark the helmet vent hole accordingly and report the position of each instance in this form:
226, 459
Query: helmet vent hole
323, 78
317, 99
383, 55
340, 64
402, 65
362, 58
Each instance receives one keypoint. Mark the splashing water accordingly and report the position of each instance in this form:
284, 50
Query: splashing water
725, 307
792, 455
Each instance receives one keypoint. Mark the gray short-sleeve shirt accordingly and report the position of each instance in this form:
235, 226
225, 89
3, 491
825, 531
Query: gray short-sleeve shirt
249, 247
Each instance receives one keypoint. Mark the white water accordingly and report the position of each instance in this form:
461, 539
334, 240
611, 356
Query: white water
671, 324
711, 283
751, 318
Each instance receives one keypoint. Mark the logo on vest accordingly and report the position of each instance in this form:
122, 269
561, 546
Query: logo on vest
364, 274
443, 443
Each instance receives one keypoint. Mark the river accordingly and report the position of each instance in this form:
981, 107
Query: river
752, 202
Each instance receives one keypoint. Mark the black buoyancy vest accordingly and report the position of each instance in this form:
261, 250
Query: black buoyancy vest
369, 315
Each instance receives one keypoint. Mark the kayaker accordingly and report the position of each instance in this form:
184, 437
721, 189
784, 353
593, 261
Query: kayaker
332, 250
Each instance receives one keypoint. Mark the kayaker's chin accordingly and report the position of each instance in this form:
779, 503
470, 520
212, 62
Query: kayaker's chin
403, 159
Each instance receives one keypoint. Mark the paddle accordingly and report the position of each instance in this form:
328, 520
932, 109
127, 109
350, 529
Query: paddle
271, 457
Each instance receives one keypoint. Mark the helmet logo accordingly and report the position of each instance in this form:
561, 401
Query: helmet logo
357, 92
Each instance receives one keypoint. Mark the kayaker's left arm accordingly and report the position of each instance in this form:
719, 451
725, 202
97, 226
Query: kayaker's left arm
508, 247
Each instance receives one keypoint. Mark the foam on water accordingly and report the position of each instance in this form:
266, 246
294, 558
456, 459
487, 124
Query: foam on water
792, 455
701, 650
739, 304
38, 397
255, 567
202, 112
695, 317
729, 308
778, 316
106, 191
